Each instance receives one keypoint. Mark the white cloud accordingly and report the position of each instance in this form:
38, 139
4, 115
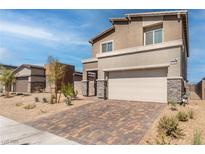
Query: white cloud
29, 31
3, 54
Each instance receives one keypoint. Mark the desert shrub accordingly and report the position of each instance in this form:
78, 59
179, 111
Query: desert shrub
36, 99
173, 105
44, 100
162, 140
43, 111
52, 100
182, 116
169, 126
30, 106
68, 101
19, 104
191, 114
69, 93
197, 138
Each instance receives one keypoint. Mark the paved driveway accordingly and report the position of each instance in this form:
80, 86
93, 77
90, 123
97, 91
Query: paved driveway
103, 122
12, 132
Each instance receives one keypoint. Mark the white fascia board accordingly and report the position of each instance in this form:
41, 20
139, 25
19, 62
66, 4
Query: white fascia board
90, 60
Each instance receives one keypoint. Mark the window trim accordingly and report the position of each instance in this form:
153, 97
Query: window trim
154, 36
109, 41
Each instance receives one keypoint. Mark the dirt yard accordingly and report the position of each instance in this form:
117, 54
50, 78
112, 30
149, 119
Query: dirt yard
188, 127
13, 107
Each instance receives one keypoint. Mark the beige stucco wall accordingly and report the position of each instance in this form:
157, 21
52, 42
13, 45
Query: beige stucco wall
144, 58
172, 28
131, 35
87, 66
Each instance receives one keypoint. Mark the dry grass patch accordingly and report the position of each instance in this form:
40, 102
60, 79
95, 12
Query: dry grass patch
19, 104
30, 106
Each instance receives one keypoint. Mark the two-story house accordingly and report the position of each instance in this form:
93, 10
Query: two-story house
141, 57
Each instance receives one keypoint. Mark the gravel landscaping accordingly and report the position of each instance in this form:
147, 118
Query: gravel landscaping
24, 108
188, 127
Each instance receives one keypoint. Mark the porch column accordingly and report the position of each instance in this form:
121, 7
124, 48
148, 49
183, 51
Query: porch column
101, 88
85, 84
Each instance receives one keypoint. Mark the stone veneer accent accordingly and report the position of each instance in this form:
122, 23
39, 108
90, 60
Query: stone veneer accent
101, 89
174, 89
85, 87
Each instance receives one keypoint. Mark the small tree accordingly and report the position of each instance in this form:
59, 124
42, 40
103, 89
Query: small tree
68, 92
56, 75
6, 79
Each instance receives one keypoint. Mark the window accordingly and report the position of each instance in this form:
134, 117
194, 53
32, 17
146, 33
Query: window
153, 36
106, 47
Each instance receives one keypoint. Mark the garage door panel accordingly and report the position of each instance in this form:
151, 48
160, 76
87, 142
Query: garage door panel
137, 88
22, 85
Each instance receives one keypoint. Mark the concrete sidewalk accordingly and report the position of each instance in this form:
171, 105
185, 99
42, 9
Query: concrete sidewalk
12, 132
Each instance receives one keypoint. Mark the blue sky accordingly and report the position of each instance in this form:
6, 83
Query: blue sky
30, 36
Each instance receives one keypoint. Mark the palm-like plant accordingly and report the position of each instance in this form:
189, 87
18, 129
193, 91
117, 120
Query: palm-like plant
6, 79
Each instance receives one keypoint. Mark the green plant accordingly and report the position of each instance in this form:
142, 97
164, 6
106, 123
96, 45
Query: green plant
45, 100
182, 116
197, 138
36, 99
173, 105
30, 106
169, 126
56, 75
19, 104
68, 92
191, 114
52, 100
6, 79
161, 140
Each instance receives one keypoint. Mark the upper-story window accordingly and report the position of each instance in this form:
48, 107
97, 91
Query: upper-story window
153, 36
107, 46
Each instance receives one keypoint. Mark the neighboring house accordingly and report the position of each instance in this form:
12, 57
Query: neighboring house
29, 78
141, 57
68, 78
10, 67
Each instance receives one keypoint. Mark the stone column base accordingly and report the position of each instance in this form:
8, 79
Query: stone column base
174, 89
101, 89
85, 87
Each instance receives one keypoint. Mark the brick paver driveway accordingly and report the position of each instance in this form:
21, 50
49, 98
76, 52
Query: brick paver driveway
103, 122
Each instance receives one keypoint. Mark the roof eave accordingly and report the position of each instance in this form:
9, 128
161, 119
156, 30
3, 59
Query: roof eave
101, 34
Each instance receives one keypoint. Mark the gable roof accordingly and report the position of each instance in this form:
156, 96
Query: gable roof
128, 17
28, 66
101, 34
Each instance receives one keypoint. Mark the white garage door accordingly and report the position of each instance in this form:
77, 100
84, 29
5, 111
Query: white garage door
143, 85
